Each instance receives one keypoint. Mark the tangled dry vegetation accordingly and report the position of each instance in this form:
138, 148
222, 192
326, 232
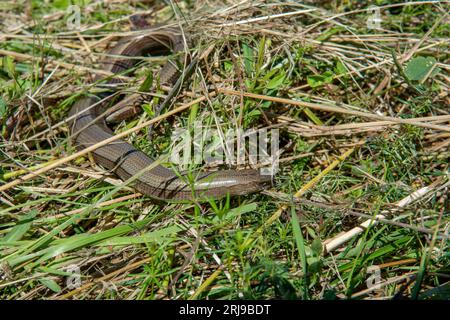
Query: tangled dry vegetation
364, 133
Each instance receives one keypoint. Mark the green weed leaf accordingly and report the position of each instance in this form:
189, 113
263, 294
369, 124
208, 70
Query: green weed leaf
9, 67
317, 247
61, 4
147, 84
340, 68
22, 226
3, 109
248, 58
277, 81
420, 68
51, 284
321, 79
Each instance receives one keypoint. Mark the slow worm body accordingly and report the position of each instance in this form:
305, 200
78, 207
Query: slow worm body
87, 127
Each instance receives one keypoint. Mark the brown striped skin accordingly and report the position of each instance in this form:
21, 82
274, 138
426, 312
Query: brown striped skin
126, 161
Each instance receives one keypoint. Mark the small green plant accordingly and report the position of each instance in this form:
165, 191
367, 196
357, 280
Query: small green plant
421, 68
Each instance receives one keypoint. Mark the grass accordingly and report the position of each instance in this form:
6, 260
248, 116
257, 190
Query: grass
76, 232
